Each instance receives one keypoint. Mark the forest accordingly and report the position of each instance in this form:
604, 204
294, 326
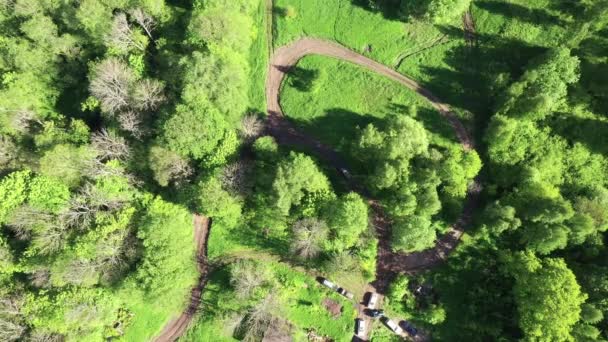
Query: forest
193, 169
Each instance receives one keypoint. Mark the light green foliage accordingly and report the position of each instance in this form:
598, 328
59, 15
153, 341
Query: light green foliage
77, 132
548, 297
6, 256
48, 193
542, 89
77, 312
213, 201
14, 190
195, 130
205, 76
398, 288
297, 176
220, 28
414, 233
167, 238
436, 11
66, 163
266, 148
347, 218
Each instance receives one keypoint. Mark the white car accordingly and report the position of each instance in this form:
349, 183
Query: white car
329, 284
393, 326
360, 327
345, 293
373, 300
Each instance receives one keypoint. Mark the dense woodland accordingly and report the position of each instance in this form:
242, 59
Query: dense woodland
120, 119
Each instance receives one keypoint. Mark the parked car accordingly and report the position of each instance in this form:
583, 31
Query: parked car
393, 326
345, 293
360, 327
329, 284
373, 300
409, 328
375, 313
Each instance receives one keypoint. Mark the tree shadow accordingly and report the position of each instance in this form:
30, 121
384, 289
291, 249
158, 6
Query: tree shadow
477, 76
587, 131
302, 79
592, 52
390, 9
521, 13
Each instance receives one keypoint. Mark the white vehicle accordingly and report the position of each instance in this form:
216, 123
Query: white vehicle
329, 284
345, 293
393, 326
360, 327
373, 300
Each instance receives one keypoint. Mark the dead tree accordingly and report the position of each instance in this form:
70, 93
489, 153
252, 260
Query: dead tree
308, 237
236, 177
24, 220
148, 95
8, 151
261, 317
111, 83
110, 146
25, 121
251, 127
40, 278
122, 36
132, 122
144, 20
10, 331
246, 276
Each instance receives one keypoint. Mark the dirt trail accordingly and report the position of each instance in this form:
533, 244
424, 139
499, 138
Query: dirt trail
176, 327
389, 263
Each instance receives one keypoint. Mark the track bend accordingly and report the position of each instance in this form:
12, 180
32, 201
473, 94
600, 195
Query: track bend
176, 327
389, 263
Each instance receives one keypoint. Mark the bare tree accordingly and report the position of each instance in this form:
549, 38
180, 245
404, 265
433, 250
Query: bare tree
84, 206
8, 151
246, 276
168, 166
261, 317
49, 240
109, 145
308, 237
122, 36
251, 127
24, 220
144, 20
83, 313
10, 331
11, 306
40, 336
132, 122
236, 177
41, 278
81, 272
25, 120
110, 84
148, 94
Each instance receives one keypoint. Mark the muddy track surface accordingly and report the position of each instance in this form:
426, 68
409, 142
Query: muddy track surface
388, 263
176, 327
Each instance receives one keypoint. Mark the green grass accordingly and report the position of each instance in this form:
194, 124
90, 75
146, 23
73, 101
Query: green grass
258, 61
341, 97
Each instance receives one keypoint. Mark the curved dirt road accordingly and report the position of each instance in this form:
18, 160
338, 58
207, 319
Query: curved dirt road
176, 327
389, 263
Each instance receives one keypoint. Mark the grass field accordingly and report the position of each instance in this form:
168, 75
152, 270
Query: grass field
330, 99
258, 61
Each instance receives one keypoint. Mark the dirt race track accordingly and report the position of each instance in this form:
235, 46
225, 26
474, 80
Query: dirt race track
389, 263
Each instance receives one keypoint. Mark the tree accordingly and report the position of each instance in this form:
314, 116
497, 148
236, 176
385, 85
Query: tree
347, 218
247, 276
261, 317
109, 145
144, 20
412, 234
168, 166
213, 201
309, 234
221, 28
66, 163
251, 127
547, 295
13, 192
148, 95
195, 130
236, 177
123, 38
297, 176
111, 83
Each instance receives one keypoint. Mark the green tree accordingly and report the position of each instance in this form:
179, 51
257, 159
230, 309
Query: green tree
168, 166
297, 176
414, 233
13, 192
547, 295
347, 218
213, 201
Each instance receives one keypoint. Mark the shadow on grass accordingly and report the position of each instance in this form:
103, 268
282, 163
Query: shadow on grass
390, 9
521, 13
302, 79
